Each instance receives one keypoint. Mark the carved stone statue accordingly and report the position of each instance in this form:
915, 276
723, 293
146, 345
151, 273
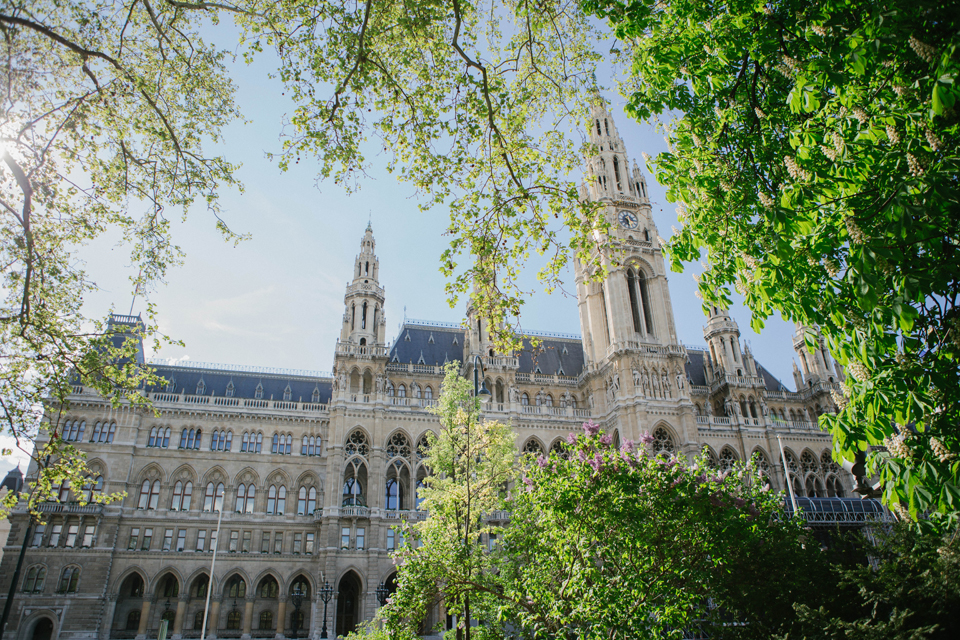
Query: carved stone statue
646, 383
636, 380
616, 382
665, 384
379, 383
708, 408
727, 408
514, 394
680, 381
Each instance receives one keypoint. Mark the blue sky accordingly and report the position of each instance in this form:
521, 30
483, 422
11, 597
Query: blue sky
277, 299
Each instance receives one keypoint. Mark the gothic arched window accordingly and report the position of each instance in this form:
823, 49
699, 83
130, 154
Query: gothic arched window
662, 441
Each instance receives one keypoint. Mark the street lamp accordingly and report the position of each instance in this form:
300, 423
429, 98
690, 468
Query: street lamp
297, 597
326, 593
382, 594
479, 387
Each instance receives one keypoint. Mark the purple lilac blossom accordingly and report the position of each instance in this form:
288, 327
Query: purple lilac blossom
572, 438
606, 439
646, 438
591, 428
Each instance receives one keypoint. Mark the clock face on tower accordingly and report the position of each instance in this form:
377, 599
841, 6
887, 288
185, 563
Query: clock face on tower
627, 219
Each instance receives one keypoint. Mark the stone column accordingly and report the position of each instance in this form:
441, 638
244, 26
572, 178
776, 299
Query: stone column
144, 617
247, 617
178, 620
213, 621
281, 614
109, 613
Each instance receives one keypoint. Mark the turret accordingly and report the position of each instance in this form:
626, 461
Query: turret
723, 337
363, 318
816, 363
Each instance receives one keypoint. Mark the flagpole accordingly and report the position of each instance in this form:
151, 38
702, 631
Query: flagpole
213, 563
786, 474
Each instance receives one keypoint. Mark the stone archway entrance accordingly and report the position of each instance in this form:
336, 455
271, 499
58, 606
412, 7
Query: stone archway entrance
348, 603
42, 630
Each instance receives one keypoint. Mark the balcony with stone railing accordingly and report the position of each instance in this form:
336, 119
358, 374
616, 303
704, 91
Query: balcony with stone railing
71, 508
361, 350
162, 399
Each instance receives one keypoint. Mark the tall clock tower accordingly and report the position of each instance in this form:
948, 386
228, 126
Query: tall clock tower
630, 308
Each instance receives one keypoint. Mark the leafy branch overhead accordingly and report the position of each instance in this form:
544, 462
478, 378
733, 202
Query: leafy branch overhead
814, 162
470, 102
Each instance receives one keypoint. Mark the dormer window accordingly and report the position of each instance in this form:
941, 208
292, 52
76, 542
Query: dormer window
230, 390
565, 352
315, 399
201, 387
172, 385
456, 340
538, 370
287, 394
406, 338
431, 340
258, 393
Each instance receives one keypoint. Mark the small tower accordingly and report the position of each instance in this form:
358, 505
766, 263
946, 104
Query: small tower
723, 337
363, 318
817, 365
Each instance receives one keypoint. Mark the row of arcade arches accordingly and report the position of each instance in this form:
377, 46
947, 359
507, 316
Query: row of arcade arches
261, 607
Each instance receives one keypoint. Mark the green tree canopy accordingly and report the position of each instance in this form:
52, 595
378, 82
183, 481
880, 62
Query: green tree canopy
814, 159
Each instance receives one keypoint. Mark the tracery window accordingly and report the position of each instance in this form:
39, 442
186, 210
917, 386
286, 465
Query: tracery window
422, 445
357, 444
236, 588
149, 494
560, 450
213, 497
398, 446
306, 501
276, 500
533, 447
245, 498
258, 392
662, 441
727, 459
287, 394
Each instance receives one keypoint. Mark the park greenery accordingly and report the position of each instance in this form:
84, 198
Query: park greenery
605, 540
813, 157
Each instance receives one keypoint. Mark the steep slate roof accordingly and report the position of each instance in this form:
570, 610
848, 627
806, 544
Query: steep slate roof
553, 356
413, 345
696, 367
244, 383
770, 383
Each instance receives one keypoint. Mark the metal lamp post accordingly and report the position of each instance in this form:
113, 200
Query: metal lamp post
297, 597
326, 593
479, 386
382, 594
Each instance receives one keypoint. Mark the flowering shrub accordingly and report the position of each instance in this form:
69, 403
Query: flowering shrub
614, 543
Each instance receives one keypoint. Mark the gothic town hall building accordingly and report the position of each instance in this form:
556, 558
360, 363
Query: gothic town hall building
315, 472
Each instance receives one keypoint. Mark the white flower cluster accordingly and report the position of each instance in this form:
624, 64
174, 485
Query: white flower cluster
838, 400
902, 512
838, 142
740, 287
646, 156
859, 371
892, 134
885, 266
861, 115
726, 186
661, 240
750, 260
765, 200
796, 171
925, 51
897, 445
856, 233
940, 450
682, 212
820, 30
916, 169
901, 90
696, 140
698, 165
718, 111
829, 152
696, 278
933, 140
760, 113
833, 269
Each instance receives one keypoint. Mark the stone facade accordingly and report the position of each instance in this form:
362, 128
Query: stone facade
316, 471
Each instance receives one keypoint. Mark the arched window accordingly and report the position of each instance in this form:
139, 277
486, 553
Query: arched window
727, 459
304, 446
251, 498
315, 398
558, 448
392, 494
289, 444
398, 446
229, 440
525, 399
215, 441
268, 588
548, 400
258, 392
352, 493
230, 390
183, 438
241, 497
213, 497
177, 496
266, 620
428, 393
634, 291
36, 576
276, 443
69, 579
401, 391
259, 442
236, 588
287, 394
169, 587
281, 500
599, 132
276, 500
363, 318
144, 495
311, 500
616, 173
201, 387
152, 442
197, 620
166, 438
244, 442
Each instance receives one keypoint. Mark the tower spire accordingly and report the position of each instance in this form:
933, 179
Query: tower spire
363, 318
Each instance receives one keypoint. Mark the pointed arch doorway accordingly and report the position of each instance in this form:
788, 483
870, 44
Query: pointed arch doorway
348, 603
